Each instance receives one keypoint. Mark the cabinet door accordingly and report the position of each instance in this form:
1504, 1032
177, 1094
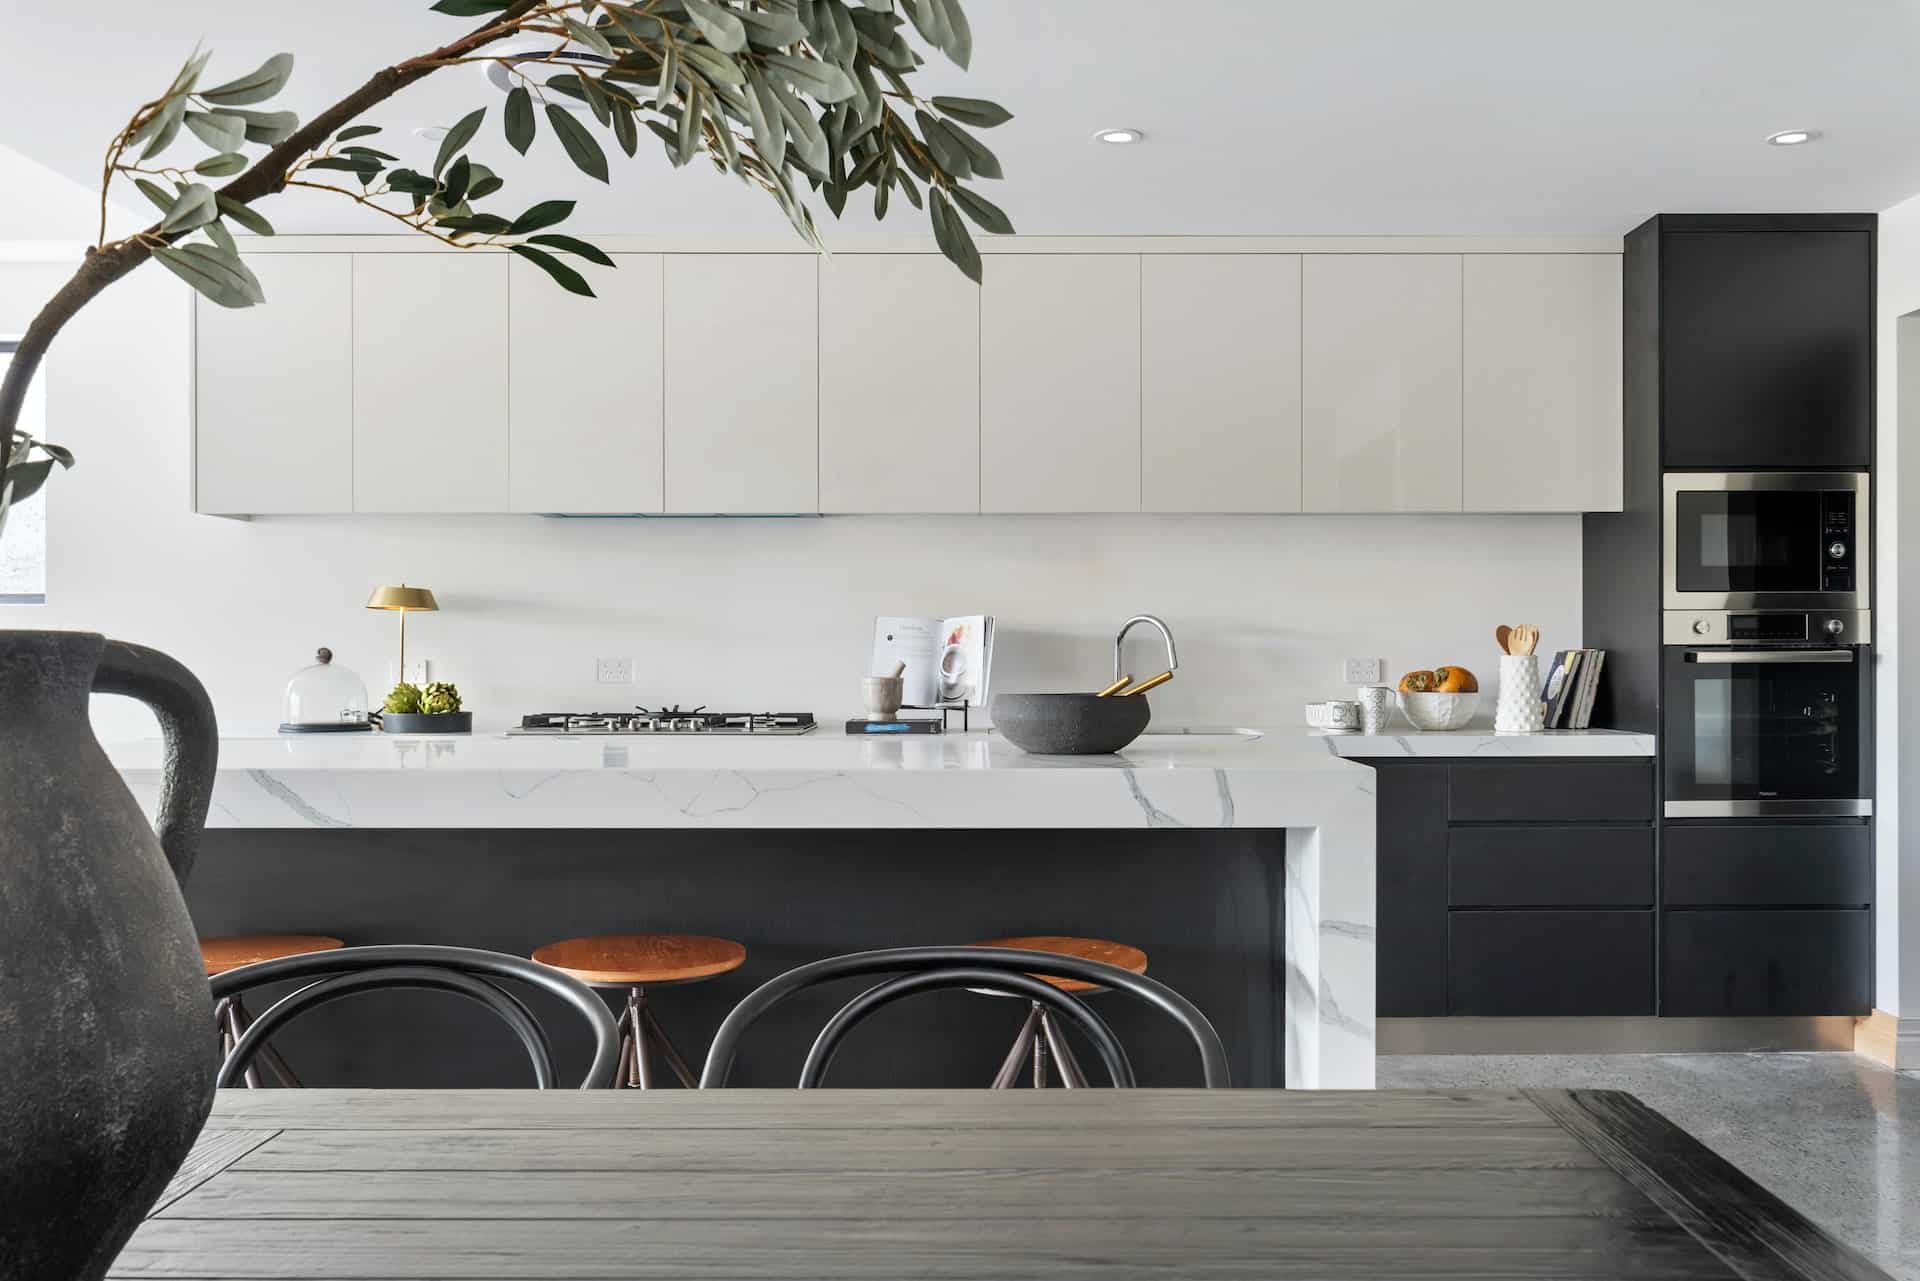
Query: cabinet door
743, 383
1766, 349
430, 382
1060, 383
1507, 964
1739, 964
273, 392
1381, 370
1220, 382
586, 380
1410, 820
899, 385
1543, 383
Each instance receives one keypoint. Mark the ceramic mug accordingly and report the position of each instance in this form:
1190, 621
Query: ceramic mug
1376, 707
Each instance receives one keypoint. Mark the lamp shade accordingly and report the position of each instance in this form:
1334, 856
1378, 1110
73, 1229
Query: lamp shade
403, 598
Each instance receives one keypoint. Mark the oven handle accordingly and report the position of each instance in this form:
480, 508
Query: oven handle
1769, 656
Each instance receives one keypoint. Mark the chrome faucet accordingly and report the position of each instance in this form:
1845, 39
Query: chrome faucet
1173, 655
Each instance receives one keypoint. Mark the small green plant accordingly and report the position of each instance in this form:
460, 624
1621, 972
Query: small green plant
403, 700
440, 698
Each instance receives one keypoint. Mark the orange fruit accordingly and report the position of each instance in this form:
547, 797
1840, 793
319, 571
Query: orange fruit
1417, 683
1454, 680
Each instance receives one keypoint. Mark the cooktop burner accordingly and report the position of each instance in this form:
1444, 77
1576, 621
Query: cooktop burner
666, 720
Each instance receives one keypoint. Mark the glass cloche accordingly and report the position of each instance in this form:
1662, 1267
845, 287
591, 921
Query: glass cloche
325, 699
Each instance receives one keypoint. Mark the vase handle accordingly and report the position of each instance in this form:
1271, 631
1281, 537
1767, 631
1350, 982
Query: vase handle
191, 735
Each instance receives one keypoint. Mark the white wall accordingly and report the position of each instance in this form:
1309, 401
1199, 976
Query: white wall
743, 612
1897, 615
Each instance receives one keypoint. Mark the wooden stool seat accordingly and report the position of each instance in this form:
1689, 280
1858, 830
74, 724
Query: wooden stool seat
1122, 955
232, 951
640, 960
637, 962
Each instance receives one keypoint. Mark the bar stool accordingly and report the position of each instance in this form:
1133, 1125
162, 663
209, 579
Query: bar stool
230, 952
637, 962
1040, 1035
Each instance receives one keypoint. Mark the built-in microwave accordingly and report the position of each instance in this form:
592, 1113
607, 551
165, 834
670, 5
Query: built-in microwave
1765, 540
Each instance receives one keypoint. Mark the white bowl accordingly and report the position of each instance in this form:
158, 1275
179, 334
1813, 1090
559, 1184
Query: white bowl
1431, 712
1336, 716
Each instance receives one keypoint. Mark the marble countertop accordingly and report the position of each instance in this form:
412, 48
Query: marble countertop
1486, 744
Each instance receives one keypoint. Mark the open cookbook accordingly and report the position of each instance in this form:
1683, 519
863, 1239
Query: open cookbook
947, 659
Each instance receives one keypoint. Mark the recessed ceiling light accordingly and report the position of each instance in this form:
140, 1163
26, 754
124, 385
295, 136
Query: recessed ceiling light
1793, 137
1118, 137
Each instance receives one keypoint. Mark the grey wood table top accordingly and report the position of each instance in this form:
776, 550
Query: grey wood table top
731, 1185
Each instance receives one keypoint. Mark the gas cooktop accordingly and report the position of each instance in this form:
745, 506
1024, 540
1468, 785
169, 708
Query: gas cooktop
666, 720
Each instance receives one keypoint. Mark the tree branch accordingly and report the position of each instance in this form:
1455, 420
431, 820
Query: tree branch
106, 264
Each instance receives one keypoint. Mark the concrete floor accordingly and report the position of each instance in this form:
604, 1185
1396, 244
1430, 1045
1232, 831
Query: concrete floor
1834, 1135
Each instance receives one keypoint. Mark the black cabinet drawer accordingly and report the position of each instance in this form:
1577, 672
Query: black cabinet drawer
1758, 963
1551, 792
1570, 963
1550, 867
1777, 865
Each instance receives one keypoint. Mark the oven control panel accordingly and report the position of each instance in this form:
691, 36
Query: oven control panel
1836, 537
1775, 627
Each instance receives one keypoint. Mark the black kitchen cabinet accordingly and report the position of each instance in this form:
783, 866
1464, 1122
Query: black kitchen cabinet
1550, 963
1410, 889
1779, 962
1515, 888
1766, 342
1777, 864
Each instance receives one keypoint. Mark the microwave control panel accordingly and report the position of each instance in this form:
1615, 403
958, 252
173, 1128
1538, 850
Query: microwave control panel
1836, 541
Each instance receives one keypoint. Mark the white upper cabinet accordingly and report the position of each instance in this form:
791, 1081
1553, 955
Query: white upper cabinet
273, 392
899, 384
1380, 420
1060, 383
1220, 382
586, 389
430, 382
1543, 382
742, 373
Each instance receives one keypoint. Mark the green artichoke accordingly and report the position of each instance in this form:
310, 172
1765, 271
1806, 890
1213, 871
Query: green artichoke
439, 698
404, 699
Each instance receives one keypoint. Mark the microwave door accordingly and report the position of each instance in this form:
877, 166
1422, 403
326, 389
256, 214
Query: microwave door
1764, 540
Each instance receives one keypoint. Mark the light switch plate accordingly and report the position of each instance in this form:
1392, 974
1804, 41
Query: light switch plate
418, 670
613, 671
1363, 671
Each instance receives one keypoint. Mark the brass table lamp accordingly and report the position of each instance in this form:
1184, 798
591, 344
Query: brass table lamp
403, 600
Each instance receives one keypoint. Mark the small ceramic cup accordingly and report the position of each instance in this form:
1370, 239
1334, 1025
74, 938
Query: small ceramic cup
883, 696
1376, 707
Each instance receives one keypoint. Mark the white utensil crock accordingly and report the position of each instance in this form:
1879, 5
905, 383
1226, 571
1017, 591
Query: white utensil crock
1518, 711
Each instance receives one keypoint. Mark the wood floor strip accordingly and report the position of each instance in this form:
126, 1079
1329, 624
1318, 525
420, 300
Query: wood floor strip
1759, 1236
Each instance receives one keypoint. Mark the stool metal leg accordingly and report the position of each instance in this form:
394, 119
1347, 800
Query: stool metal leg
666, 1047
623, 1071
1017, 1056
1040, 1051
636, 1021
1070, 1074
231, 1030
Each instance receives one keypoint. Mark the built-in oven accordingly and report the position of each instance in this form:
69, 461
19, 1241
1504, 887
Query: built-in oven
1765, 540
1767, 713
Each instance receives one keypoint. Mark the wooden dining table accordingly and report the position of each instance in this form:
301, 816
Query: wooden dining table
733, 1185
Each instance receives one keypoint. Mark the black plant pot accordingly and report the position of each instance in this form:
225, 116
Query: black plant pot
426, 722
107, 1048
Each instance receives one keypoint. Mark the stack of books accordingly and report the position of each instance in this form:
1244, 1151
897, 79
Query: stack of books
1566, 694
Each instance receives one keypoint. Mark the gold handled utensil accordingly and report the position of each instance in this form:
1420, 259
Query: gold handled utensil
1115, 688
1147, 684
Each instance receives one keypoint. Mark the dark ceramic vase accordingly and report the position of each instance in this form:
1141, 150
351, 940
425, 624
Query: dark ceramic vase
107, 1051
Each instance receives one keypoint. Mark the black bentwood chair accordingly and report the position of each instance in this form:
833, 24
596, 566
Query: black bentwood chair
463, 971
1004, 970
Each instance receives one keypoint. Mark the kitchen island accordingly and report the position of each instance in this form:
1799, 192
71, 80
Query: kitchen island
1263, 842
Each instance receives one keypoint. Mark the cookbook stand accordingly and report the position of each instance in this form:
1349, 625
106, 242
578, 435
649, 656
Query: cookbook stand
946, 711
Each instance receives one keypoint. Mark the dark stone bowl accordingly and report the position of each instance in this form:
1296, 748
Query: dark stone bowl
1068, 724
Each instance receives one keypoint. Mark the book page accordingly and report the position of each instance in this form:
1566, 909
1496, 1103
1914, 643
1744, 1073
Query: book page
965, 654
915, 642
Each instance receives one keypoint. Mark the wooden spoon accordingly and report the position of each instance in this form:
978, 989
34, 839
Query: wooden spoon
1501, 635
1525, 638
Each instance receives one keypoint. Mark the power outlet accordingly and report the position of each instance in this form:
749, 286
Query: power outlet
418, 671
613, 671
1363, 671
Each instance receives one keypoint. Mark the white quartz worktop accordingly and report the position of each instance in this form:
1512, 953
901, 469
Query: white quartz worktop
1320, 808
1488, 745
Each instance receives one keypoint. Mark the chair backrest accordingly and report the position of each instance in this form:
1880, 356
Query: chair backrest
463, 971
1007, 970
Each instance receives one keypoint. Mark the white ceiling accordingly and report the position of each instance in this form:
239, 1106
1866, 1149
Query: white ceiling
1263, 116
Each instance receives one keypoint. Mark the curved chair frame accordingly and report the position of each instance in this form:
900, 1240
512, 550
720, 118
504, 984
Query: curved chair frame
467, 972
820, 1058
1002, 961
